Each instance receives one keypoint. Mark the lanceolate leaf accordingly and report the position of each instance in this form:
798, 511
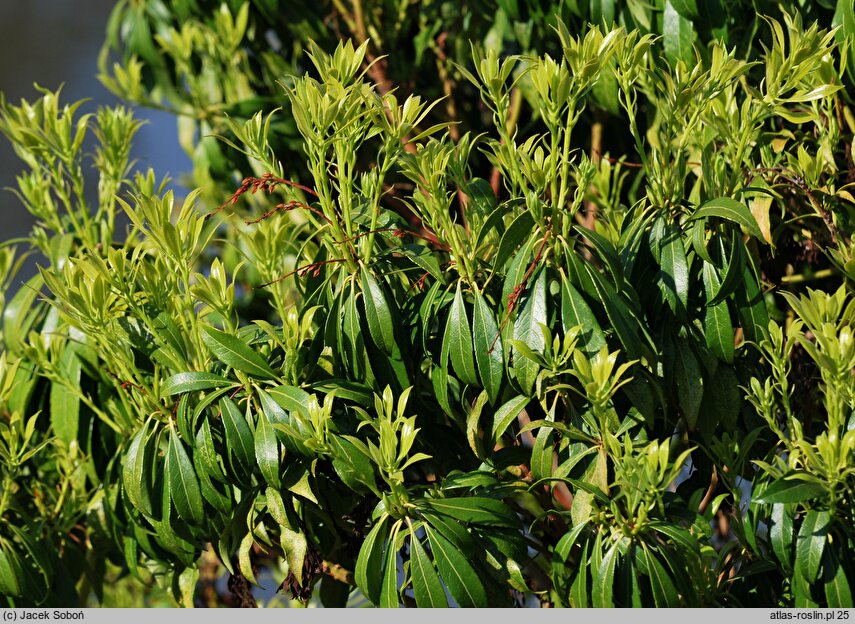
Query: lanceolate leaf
183, 484
838, 592
233, 352
751, 307
427, 587
730, 210
527, 329
791, 489
474, 510
64, 402
191, 382
604, 579
267, 450
575, 312
238, 435
811, 543
459, 576
674, 275
369, 564
507, 414
690, 389
781, 534
389, 592
459, 337
377, 313
518, 231
664, 592
677, 35
136, 469
487, 343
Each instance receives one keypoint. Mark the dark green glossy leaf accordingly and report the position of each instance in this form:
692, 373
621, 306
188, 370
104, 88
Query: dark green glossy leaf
718, 329
507, 414
459, 576
677, 35
427, 588
837, 590
267, 450
604, 578
690, 389
191, 382
810, 544
730, 210
790, 489
575, 312
459, 338
664, 592
238, 436
487, 343
674, 274
781, 534
233, 352
474, 510
518, 231
369, 564
527, 329
389, 590
137, 463
183, 484
377, 313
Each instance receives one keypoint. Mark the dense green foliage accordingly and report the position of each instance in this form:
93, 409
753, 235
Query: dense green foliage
562, 350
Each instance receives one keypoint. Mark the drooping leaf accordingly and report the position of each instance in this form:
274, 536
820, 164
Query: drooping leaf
730, 210
677, 34
389, 598
427, 588
64, 402
369, 564
474, 510
238, 436
674, 268
135, 471
455, 570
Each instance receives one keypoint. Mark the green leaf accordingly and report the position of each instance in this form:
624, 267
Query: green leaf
474, 510
233, 352
604, 578
518, 231
191, 382
751, 307
295, 545
427, 588
183, 485
730, 210
575, 312
664, 592
619, 315
579, 588
791, 489
368, 573
527, 329
507, 414
459, 338
837, 590
136, 469
677, 34
389, 598
238, 437
781, 534
810, 544
352, 466
487, 343
64, 402
718, 329
267, 453
674, 275
377, 314
690, 389
460, 577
